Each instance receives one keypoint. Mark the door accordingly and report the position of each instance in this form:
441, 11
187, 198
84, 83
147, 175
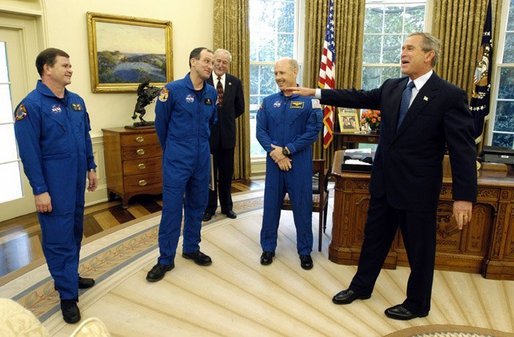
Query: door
20, 45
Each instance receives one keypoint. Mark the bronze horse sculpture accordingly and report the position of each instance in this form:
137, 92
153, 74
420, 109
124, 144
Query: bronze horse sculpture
145, 95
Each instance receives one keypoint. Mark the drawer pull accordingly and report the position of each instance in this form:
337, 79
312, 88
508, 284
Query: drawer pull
140, 139
141, 166
142, 182
140, 152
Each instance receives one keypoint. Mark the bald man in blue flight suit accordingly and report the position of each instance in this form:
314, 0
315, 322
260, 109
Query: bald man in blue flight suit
52, 131
184, 112
287, 125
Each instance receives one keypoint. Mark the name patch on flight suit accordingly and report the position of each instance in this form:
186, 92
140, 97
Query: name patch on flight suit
296, 105
208, 101
21, 112
76, 107
163, 96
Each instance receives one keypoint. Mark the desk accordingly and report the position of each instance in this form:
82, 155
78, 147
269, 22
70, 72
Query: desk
485, 246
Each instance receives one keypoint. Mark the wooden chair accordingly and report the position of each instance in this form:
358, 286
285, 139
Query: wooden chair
319, 196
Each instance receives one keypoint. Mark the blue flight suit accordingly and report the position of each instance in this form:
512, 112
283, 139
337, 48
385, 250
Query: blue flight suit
183, 117
56, 152
293, 122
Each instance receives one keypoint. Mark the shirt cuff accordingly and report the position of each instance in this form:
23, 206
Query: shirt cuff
318, 93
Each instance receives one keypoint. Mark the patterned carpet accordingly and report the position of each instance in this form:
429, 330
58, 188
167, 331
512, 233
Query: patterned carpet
236, 296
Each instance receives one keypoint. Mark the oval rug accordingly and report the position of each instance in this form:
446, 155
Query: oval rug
437, 330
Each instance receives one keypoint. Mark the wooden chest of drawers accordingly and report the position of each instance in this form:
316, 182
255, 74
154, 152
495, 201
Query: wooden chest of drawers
133, 160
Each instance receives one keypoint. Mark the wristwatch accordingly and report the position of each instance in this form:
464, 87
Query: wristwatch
92, 170
285, 152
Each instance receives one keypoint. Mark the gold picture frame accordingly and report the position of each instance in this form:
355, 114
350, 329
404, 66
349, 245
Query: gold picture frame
125, 51
348, 120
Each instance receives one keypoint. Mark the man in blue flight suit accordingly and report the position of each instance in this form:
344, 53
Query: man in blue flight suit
183, 115
287, 125
52, 131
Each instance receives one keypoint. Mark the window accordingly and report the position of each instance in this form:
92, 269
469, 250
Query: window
386, 24
274, 32
503, 129
10, 178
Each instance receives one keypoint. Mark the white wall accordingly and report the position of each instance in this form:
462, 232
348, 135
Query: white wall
66, 28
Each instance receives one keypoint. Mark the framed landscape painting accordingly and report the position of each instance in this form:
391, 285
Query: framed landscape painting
125, 51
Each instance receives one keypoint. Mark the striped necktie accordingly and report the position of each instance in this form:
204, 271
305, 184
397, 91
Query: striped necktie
219, 89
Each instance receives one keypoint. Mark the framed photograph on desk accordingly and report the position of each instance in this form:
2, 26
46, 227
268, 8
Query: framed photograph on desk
348, 120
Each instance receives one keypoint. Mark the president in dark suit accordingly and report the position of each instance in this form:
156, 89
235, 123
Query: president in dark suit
422, 116
231, 105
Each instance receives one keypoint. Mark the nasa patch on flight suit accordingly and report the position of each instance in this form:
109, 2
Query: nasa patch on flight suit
21, 112
208, 101
316, 104
163, 96
76, 107
296, 105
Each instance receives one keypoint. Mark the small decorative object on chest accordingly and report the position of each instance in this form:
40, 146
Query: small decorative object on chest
145, 95
371, 118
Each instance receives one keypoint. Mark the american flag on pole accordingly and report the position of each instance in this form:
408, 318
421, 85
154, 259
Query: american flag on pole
482, 79
327, 74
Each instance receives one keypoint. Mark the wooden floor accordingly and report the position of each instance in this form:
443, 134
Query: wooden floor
20, 238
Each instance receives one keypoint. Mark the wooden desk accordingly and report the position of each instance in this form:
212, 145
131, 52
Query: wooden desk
485, 246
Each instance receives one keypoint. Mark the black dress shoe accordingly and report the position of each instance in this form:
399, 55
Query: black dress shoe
267, 258
347, 296
200, 258
157, 272
85, 282
402, 313
70, 311
306, 262
207, 216
230, 214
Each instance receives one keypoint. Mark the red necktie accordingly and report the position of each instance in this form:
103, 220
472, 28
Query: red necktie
219, 89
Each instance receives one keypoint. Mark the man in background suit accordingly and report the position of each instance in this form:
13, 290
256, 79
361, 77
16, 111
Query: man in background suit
407, 170
231, 105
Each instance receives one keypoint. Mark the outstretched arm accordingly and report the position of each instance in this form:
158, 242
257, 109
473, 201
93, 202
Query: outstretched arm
302, 91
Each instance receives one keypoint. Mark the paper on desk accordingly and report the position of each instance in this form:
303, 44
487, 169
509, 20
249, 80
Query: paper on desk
356, 162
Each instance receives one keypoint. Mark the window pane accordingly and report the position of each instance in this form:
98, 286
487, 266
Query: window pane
506, 88
510, 23
503, 140
504, 113
414, 19
4, 78
390, 72
9, 151
267, 83
373, 20
6, 113
286, 20
10, 180
508, 52
267, 47
371, 77
372, 49
285, 45
393, 19
392, 48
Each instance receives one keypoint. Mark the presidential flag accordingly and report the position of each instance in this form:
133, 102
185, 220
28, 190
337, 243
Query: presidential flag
480, 98
327, 74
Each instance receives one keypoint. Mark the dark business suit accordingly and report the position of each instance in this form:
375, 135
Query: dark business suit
407, 176
223, 141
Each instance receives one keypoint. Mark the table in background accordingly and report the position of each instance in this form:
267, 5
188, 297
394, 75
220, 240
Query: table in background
485, 246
